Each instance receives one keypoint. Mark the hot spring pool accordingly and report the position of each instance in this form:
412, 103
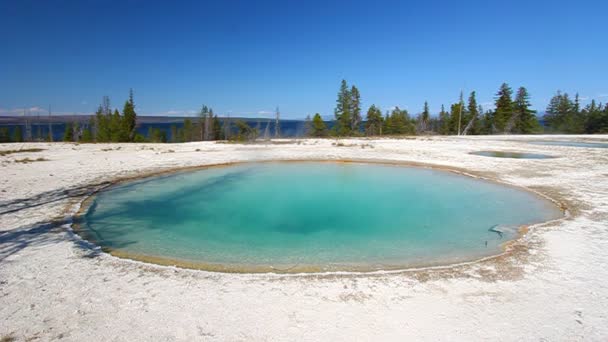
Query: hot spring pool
571, 144
514, 155
309, 216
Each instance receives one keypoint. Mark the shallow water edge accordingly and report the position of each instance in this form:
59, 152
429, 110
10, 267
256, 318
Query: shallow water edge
506, 247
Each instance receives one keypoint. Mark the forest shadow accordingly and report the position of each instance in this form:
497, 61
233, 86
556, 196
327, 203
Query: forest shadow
45, 234
47, 197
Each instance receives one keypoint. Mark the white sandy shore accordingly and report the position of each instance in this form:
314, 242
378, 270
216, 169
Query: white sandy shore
555, 287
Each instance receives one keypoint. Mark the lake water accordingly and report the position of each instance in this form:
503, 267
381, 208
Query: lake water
311, 216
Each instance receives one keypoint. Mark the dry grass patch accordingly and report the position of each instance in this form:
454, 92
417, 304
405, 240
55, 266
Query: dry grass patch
28, 160
7, 152
7, 338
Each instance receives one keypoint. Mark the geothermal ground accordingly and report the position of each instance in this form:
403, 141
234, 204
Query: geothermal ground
551, 284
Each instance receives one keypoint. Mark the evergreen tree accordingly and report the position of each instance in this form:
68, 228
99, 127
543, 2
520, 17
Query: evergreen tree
597, 118
387, 124
319, 129
18, 134
425, 117
208, 124
103, 118
355, 109
373, 126
68, 134
478, 123
525, 118
504, 109
87, 136
561, 115
117, 131
188, 130
202, 118
456, 112
174, 136
399, 123
91, 130
471, 116
5, 135
487, 123
342, 111
444, 122
217, 129
156, 135
244, 131
129, 119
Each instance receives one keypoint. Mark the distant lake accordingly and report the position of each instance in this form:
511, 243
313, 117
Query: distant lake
288, 128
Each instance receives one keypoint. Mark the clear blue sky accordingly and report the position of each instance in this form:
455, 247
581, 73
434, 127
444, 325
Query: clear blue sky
246, 57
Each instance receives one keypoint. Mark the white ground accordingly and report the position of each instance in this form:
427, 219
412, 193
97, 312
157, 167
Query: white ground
54, 286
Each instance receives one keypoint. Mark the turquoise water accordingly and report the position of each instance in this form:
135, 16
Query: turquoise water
331, 216
571, 144
516, 155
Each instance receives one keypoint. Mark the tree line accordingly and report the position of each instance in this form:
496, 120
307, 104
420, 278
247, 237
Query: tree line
565, 115
109, 125
512, 115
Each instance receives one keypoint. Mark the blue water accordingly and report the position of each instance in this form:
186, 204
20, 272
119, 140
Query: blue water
333, 216
571, 144
516, 155
288, 128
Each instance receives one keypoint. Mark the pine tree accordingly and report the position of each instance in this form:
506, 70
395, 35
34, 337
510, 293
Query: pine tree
477, 127
208, 124
5, 135
68, 134
425, 117
471, 115
504, 109
117, 132
244, 131
597, 118
561, 115
373, 126
217, 128
87, 136
456, 112
202, 118
173, 137
188, 130
129, 119
355, 103
487, 123
342, 111
103, 121
18, 134
525, 118
319, 129
399, 123
444, 122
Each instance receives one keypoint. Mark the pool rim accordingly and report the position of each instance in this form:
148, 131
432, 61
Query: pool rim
506, 248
